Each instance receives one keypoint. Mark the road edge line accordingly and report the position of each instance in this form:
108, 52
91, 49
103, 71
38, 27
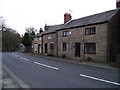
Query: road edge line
21, 83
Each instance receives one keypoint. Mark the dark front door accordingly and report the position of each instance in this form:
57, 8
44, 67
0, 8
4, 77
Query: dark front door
45, 47
77, 49
38, 48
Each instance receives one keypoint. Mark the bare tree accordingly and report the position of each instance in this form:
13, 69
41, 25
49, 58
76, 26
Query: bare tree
31, 30
10, 39
2, 24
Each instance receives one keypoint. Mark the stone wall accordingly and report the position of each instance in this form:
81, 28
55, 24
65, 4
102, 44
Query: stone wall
114, 37
50, 39
38, 41
77, 35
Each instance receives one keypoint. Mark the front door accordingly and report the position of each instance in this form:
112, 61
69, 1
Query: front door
39, 48
45, 47
77, 49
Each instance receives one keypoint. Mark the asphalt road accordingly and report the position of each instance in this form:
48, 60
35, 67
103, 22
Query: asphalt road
43, 73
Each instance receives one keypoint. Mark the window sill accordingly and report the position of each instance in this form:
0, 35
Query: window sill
52, 51
64, 51
89, 53
90, 34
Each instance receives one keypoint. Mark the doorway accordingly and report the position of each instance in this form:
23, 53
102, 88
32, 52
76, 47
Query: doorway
39, 48
46, 47
77, 49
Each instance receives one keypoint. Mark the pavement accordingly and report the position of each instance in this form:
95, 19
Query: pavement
102, 65
10, 80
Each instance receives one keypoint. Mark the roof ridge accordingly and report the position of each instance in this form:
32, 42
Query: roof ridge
96, 14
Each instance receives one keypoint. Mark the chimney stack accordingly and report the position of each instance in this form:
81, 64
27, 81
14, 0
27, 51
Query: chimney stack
117, 3
67, 17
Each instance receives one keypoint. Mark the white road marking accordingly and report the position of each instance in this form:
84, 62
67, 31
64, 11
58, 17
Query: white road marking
99, 79
21, 57
24, 59
12, 53
16, 55
46, 65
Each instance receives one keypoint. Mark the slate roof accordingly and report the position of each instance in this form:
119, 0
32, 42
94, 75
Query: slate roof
84, 21
53, 29
92, 19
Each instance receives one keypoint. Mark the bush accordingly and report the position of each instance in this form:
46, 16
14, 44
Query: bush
63, 55
88, 58
50, 54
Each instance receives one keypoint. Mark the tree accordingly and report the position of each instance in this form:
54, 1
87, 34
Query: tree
26, 40
10, 39
30, 30
2, 24
28, 37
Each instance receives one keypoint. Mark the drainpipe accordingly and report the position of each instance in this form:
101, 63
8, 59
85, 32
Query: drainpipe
83, 44
42, 44
57, 42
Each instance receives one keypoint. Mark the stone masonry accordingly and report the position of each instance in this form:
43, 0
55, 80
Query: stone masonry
78, 35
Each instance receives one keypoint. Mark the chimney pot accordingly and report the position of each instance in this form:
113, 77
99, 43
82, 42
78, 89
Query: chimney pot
67, 17
117, 3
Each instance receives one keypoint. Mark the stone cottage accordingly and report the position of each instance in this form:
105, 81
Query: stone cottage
93, 37
37, 44
49, 38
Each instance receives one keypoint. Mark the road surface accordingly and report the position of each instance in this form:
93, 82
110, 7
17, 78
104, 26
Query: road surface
39, 72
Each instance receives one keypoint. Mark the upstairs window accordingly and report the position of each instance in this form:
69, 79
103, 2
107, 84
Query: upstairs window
49, 37
40, 38
35, 39
90, 48
65, 33
90, 31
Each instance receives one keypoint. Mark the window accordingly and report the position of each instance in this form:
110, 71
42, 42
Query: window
40, 38
36, 48
52, 47
90, 31
65, 33
49, 37
64, 47
35, 39
90, 48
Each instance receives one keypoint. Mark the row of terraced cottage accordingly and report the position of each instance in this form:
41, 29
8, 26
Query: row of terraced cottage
95, 36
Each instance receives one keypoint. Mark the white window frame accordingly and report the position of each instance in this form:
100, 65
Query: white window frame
36, 47
62, 47
40, 38
49, 37
65, 33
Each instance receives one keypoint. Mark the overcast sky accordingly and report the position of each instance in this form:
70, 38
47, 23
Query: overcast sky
20, 14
